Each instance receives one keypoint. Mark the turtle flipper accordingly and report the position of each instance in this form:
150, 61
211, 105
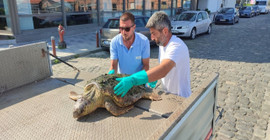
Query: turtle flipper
74, 96
116, 110
152, 96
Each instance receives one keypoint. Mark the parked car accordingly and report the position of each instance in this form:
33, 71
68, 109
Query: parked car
111, 28
256, 9
227, 15
246, 11
263, 6
191, 23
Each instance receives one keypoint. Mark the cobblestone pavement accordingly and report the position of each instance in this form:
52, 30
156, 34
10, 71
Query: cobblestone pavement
240, 53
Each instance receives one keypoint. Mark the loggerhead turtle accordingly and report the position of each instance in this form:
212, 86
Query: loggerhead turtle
99, 93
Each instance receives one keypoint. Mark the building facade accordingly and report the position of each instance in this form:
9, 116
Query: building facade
28, 19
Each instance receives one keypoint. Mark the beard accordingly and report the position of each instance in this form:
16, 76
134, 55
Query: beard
126, 37
158, 43
161, 40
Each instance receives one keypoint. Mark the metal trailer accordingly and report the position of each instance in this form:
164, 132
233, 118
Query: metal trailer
35, 105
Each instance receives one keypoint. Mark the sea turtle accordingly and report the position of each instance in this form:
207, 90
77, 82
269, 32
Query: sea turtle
99, 93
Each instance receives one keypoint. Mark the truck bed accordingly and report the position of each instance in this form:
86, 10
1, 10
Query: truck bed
42, 110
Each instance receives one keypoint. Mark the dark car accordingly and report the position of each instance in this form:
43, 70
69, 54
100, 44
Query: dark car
256, 9
111, 28
246, 11
227, 15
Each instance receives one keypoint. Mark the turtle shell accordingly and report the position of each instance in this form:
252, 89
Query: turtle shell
107, 82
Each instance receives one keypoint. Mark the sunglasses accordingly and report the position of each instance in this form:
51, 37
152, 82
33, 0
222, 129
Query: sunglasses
127, 29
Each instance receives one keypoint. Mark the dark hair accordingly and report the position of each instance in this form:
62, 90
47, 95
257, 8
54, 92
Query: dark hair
127, 16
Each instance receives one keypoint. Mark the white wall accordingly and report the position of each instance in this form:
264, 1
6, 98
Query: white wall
229, 3
202, 4
212, 5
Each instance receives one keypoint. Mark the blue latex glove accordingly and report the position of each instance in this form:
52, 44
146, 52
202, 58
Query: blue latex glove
111, 71
126, 83
152, 84
123, 86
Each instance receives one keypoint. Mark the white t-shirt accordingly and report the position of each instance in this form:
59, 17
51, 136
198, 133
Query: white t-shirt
177, 81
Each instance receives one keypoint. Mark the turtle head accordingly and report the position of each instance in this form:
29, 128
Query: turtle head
88, 102
79, 107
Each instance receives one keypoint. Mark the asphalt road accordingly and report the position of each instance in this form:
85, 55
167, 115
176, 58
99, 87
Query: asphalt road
240, 53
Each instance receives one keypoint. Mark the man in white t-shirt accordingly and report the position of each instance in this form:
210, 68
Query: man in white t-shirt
174, 69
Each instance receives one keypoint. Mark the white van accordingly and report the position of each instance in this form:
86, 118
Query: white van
263, 6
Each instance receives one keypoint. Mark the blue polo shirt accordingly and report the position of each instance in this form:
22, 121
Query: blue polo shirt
130, 61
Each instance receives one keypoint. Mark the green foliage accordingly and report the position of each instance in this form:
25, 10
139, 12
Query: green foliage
56, 61
247, 4
2, 11
207, 10
61, 47
11, 37
76, 56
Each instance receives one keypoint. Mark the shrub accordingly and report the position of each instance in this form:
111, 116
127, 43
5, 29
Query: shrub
207, 10
56, 61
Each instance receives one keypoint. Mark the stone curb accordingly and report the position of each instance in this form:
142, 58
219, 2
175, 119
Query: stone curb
65, 58
8, 42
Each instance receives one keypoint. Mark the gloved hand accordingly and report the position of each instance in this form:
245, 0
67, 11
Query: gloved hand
126, 83
111, 71
152, 84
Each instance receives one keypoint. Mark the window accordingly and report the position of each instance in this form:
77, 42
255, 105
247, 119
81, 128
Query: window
35, 14
4, 24
151, 6
186, 17
79, 5
131, 6
114, 7
139, 22
226, 10
134, 5
79, 11
165, 4
199, 16
260, 2
204, 15
38, 6
112, 23
186, 4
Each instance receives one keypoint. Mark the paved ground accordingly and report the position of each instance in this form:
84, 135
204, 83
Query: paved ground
78, 44
240, 53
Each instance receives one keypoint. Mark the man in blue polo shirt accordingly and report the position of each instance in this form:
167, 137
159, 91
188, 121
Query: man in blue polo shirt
130, 51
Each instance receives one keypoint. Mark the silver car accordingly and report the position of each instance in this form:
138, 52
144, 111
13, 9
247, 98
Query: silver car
191, 23
111, 28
